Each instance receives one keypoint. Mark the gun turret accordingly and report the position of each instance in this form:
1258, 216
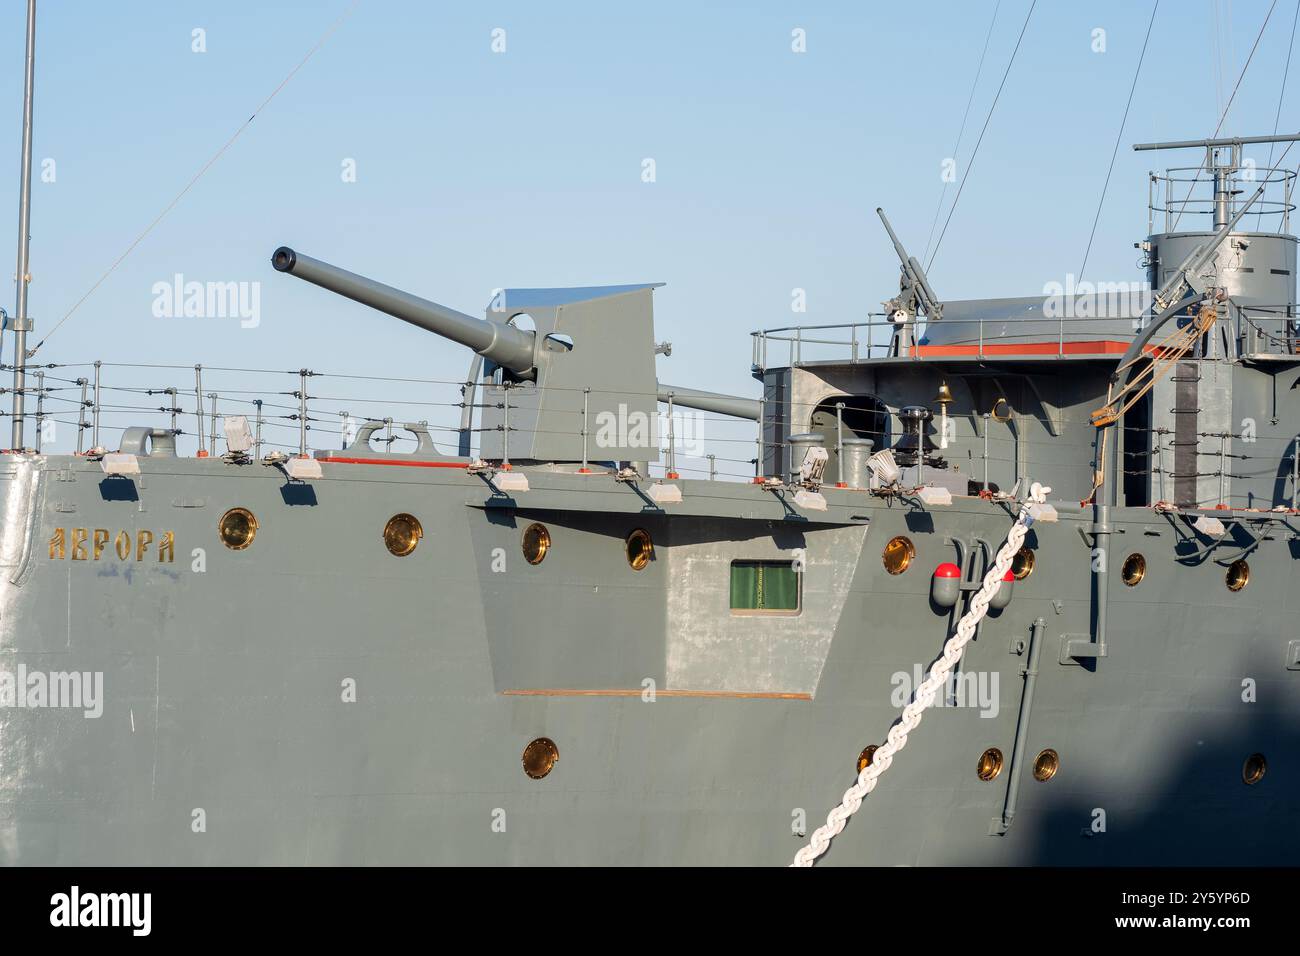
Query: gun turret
507, 346
587, 365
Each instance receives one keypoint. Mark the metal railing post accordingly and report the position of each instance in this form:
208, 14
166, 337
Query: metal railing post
81, 413
172, 409
586, 393
198, 410
505, 427
839, 442
672, 441
94, 432
302, 412
257, 439
212, 420
987, 418
40, 408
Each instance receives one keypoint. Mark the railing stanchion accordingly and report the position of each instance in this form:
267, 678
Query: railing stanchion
172, 409
257, 435
505, 427
81, 413
839, 442
302, 412
672, 441
986, 451
586, 394
40, 408
198, 411
212, 420
94, 432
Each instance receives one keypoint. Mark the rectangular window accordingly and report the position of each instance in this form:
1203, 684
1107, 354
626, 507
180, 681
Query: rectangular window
764, 587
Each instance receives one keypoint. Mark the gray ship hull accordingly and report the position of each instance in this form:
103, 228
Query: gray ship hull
313, 699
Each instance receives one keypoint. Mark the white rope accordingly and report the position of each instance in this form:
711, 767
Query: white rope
925, 694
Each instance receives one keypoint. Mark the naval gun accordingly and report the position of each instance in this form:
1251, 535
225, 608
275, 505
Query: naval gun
591, 347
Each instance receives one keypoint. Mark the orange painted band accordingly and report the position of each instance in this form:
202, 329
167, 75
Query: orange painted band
406, 464
740, 695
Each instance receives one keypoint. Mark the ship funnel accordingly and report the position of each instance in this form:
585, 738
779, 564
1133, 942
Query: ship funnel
507, 346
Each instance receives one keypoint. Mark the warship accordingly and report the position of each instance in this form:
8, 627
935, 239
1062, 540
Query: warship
1064, 528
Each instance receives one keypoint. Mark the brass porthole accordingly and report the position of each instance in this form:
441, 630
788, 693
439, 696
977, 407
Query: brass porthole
990, 764
540, 757
1253, 770
1046, 764
898, 554
639, 548
864, 758
1022, 565
402, 534
237, 528
1238, 575
536, 542
1133, 570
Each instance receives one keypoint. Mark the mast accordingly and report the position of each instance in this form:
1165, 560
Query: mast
21, 322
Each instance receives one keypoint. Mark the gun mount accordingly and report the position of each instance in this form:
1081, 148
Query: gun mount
592, 345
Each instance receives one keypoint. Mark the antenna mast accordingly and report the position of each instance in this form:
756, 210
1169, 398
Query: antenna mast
21, 322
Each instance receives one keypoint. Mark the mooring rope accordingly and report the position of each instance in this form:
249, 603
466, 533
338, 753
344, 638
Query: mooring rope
925, 694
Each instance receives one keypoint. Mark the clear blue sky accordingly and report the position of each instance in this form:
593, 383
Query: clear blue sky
477, 170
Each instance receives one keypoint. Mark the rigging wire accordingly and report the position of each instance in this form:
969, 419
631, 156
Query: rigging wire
1224, 115
1118, 137
961, 132
199, 175
983, 130
1278, 115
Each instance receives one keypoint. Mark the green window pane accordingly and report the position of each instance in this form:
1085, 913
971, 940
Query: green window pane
744, 585
764, 586
780, 587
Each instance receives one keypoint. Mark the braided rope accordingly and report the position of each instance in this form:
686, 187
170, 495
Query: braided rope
925, 694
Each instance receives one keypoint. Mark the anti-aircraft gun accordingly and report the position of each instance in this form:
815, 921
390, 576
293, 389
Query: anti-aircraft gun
592, 344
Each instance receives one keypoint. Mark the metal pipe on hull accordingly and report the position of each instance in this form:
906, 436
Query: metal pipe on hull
506, 345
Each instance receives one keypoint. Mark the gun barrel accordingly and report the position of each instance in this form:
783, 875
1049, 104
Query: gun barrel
715, 402
506, 345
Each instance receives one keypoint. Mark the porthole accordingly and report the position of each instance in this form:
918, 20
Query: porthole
639, 548
1238, 575
540, 757
402, 534
237, 528
990, 764
1133, 570
536, 542
1046, 764
864, 758
1022, 565
898, 554
1253, 770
